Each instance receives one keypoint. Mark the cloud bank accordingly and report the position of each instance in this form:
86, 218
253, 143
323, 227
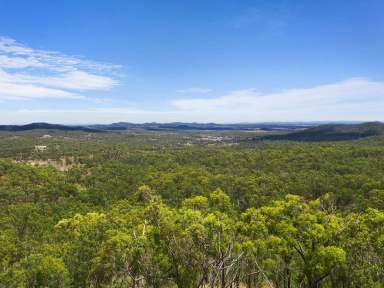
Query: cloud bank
352, 99
27, 73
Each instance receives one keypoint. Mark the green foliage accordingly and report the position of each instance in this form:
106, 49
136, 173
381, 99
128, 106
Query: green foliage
127, 211
45, 271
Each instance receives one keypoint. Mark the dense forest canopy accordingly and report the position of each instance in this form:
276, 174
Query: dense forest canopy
189, 209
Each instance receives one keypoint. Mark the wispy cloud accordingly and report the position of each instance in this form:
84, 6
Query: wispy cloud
31, 73
19, 62
194, 90
90, 116
75, 80
355, 98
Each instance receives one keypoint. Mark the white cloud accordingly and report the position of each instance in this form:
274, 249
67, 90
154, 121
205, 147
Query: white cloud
89, 116
353, 99
30, 73
194, 90
75, 80
12, 91
9, 45
27, 73
19, 62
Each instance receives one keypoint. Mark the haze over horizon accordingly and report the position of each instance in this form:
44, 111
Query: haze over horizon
92, 62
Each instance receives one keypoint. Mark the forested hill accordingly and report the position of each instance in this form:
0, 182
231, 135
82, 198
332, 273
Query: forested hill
160, 209
286, 131
332, 132
45, 126
175, 126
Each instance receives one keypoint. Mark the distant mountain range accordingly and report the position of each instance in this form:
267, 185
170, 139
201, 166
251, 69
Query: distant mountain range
332, 132
290, 131
202, 126
122, 126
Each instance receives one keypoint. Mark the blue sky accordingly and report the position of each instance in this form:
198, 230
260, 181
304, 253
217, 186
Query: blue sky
203, 61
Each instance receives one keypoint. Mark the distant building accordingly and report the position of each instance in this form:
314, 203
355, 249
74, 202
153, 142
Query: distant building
212, 138
40, 148
46, 136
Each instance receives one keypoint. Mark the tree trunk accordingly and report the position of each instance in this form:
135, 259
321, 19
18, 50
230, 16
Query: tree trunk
288, 278
237, 281
249, 281
223, 277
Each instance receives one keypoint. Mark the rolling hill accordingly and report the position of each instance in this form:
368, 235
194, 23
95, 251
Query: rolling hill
176, 126
332, 132
45, 126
